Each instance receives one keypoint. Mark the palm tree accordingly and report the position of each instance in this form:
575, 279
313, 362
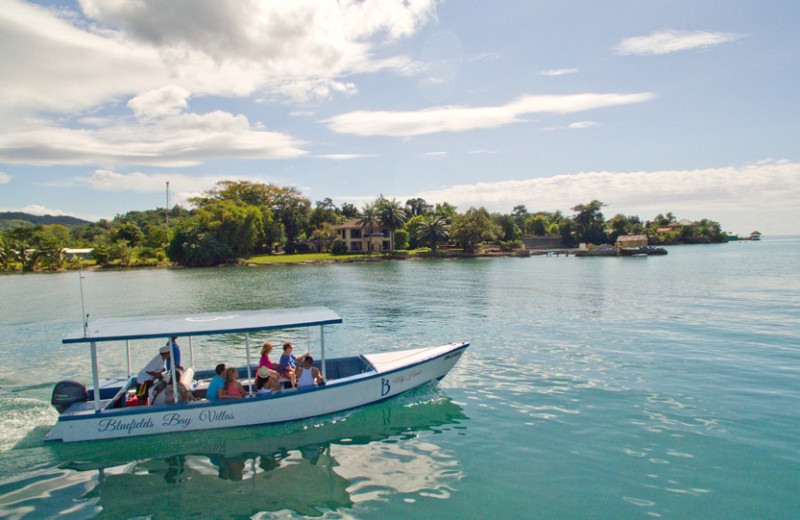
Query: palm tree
370, 218
433, 229
392, 217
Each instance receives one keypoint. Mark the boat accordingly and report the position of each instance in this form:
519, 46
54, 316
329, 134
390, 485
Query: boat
103, 412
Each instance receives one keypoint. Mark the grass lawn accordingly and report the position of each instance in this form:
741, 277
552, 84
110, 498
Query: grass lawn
322, 257
295, 259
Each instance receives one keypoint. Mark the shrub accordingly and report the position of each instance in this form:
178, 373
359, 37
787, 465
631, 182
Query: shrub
339, 247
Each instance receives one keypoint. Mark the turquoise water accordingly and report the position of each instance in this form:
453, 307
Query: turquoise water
664, 387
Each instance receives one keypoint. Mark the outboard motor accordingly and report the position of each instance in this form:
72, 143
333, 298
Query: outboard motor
66, 393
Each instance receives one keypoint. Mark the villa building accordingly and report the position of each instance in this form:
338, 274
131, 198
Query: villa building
362, 239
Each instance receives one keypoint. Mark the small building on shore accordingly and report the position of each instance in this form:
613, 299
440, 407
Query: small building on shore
632, 241
76, 254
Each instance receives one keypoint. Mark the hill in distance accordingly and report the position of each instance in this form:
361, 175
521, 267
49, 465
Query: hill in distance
15, 219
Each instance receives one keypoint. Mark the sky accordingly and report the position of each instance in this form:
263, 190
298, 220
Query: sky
648, 106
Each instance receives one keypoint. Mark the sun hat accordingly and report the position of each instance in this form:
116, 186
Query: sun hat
164, 350
263, 372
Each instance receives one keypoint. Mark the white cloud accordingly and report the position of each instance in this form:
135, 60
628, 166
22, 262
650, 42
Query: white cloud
582, 124
62, 61
345, 156
762, 195
299, 48
460, 119
169, 100
50, 65
35, 209
664, 42
4, 178
179, 140
557, 72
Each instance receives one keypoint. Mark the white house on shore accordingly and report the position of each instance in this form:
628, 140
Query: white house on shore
362, 239
71, 254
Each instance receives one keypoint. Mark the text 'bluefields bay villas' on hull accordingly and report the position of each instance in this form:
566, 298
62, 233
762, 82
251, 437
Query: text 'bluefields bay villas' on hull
105, 411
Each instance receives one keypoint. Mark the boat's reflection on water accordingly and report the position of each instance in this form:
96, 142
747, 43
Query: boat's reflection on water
307, 468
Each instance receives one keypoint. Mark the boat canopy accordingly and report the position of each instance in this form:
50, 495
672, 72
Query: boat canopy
145, 327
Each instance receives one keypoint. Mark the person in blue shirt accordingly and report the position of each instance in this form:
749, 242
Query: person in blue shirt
216, 388
177, 354
288, 363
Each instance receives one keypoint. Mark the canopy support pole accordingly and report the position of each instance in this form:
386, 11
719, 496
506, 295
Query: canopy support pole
322, 348
128, 351
95, 378
174, 369
249, 375
191, 353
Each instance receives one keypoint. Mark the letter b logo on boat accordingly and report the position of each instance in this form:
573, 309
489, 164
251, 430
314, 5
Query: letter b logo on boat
385, 387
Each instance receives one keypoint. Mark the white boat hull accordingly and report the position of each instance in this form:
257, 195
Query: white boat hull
395, 373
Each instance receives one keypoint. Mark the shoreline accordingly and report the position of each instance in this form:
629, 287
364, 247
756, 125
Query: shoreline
327, 258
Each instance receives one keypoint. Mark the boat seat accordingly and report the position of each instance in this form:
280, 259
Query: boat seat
186, 377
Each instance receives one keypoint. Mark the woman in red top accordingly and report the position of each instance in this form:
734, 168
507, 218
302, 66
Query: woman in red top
265, 361
233, 388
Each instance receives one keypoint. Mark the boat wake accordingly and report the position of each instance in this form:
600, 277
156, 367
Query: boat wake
23, 417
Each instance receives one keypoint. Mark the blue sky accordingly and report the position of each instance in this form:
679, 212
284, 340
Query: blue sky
656, 106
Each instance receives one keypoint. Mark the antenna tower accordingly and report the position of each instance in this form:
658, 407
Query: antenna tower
166, 210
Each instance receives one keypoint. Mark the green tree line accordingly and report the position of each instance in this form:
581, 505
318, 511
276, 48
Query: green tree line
239, 219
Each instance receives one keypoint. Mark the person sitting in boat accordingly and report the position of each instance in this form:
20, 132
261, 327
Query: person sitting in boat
288, 363
163, 391
173, 343
266, 362
265, 382
233, 388
308, 374
216, 388
150, 373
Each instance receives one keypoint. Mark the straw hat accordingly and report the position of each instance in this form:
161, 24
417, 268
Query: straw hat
263, 372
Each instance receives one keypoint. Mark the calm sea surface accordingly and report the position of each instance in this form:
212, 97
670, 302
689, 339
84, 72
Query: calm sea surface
664, 387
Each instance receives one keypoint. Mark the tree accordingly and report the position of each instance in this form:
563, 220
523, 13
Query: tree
324, 212
121, 251
536, 225
433, 229
413, 225
473, 227
5, 254
349, 210
590, 222
130, 233
155, 236
445, 210
192, 246
417, 207
617, 226
508, 229
222, 230
520, 214
370, 218
290, 209
392, 216
325, 236
565, 230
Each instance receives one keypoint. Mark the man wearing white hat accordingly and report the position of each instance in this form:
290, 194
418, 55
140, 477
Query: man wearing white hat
152, 371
